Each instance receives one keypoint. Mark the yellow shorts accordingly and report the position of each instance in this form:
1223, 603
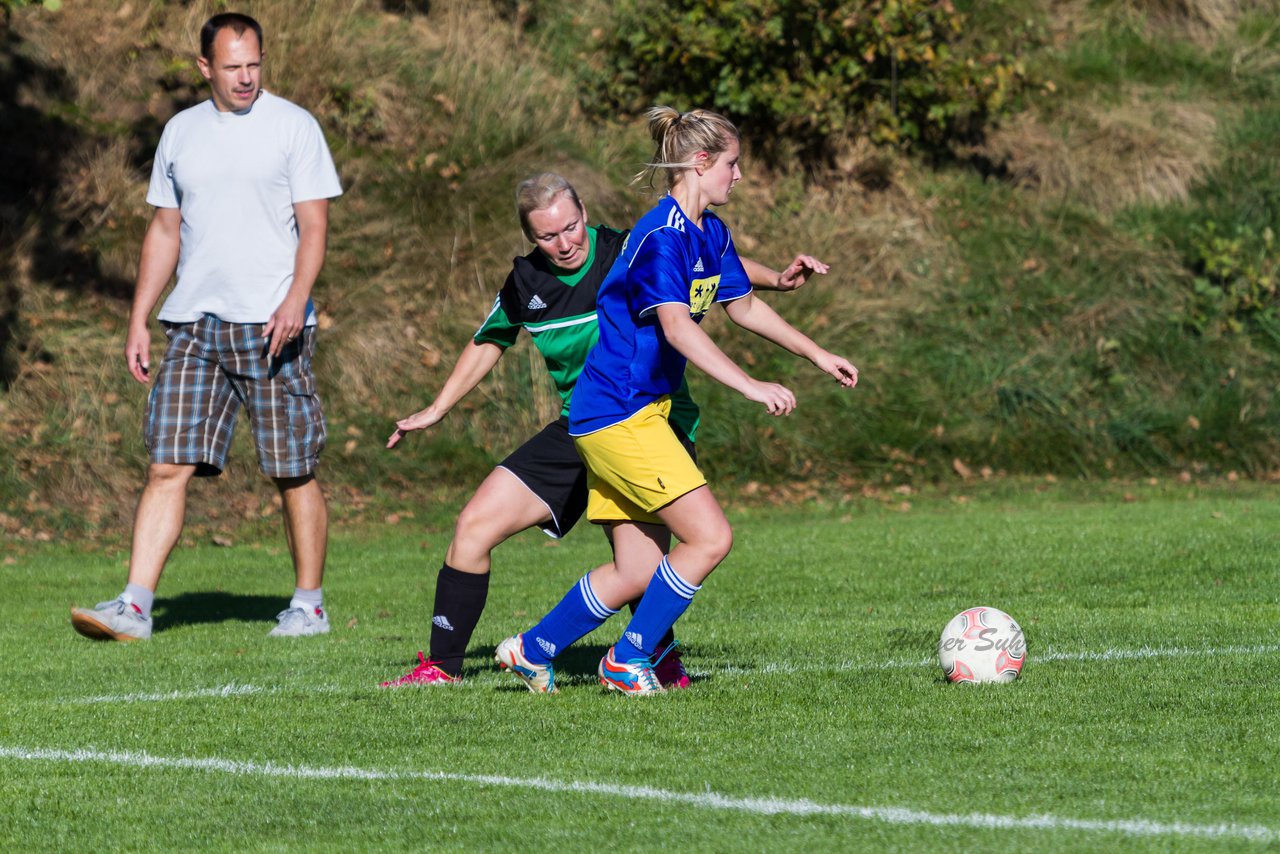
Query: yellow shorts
636, 467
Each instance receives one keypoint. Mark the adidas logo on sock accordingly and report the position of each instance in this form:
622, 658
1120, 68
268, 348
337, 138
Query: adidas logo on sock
442, 621
637, 639
547, 646
698, 268
536, 304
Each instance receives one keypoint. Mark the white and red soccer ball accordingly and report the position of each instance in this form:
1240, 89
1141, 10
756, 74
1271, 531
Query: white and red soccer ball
982, 645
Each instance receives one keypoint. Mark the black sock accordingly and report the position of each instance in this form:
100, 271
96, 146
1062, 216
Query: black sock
668, 639
460, 598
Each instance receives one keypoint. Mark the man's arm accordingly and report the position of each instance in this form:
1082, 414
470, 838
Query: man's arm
313, 234
797, 273
155, 269
475, 363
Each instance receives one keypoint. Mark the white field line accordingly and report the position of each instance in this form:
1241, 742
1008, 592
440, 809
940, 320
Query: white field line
1159, 652
240, 690
231, 690
704, 800
1033, 657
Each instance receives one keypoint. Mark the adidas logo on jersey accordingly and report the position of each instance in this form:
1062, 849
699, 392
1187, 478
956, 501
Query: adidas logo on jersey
442, 621
698, 268
536, 304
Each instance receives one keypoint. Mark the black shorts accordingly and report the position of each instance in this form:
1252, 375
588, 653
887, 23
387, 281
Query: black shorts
549, 466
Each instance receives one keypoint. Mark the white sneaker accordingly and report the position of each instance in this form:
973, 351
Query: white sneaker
540, 678
300, 623
115, 620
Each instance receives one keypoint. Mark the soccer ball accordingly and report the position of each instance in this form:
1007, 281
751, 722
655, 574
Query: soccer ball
982, 645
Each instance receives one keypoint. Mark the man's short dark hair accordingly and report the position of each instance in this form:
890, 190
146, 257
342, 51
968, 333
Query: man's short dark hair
236, 21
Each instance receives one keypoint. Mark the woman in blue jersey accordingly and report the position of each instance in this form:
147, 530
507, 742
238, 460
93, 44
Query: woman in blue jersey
550, 294
677, 262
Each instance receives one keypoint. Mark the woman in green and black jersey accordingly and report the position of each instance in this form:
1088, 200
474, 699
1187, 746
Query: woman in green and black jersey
551, 294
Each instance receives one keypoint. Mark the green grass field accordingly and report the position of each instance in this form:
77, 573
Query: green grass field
818, 719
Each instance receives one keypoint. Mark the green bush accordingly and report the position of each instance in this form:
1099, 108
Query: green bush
1227, 235
1237, 276
805, 74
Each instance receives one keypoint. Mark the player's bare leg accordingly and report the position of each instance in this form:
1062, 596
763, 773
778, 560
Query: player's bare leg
501, 508
637, 548
705, 536
696, 519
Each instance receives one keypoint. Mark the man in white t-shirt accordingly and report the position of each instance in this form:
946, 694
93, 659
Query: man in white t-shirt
241, 185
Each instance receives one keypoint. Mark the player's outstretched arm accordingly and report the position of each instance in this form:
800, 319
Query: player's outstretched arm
475, 363
793, 277
696, 346
159, 259
758, 317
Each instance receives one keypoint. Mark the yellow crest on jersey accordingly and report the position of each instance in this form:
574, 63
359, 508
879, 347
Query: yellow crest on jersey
702, 293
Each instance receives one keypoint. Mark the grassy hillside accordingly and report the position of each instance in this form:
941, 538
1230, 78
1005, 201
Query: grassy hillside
1082, 292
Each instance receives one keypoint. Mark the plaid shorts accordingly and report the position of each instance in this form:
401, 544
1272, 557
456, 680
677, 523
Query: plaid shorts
210, 369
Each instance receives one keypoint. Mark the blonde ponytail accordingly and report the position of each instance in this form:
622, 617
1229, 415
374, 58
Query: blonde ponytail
680, 136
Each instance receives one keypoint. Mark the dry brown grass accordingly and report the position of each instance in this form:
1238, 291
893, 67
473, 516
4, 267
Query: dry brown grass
1258, 58
1146, 150
874, 239
1202, 20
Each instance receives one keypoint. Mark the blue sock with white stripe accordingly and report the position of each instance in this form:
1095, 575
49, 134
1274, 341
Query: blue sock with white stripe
578, 614
667, 597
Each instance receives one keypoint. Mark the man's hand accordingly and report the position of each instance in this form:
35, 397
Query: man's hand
137, 354
799, 271
284, 326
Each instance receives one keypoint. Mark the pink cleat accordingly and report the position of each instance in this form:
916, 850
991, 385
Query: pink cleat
427, 672
670, 668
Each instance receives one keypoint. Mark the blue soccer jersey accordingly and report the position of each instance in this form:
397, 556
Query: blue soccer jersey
666, 260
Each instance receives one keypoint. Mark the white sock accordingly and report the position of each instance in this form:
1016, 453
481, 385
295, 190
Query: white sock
308, 600
136, 594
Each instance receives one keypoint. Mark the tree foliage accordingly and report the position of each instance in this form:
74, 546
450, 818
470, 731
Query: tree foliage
806, 73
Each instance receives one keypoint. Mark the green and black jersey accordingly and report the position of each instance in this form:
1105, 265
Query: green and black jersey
558, 309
